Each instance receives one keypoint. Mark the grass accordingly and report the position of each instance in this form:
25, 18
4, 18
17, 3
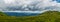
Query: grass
49, 16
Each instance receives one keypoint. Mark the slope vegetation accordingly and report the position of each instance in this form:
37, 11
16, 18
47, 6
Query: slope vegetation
48, 16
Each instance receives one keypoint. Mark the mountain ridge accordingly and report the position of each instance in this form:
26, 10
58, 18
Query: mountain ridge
48, 16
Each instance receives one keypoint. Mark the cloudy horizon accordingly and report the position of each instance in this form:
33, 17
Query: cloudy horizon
29, 5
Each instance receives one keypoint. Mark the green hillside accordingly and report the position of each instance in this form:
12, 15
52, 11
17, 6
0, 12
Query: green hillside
2, 14
48, 16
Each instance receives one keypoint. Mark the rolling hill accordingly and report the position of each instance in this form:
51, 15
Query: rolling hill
48, 16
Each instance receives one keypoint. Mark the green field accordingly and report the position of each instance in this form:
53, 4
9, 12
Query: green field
48, 16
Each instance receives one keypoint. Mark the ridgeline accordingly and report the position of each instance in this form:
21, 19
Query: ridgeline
48, 16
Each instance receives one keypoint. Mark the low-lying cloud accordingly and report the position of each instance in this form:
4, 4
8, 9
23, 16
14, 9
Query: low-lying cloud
28, 5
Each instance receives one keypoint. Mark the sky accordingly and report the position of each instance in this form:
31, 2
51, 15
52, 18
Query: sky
37, 5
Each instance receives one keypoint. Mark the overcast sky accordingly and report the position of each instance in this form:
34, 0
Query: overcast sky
39, 3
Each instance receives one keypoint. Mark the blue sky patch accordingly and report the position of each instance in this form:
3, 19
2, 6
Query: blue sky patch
58, 1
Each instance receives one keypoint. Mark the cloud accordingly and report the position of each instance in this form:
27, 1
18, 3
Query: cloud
28, 5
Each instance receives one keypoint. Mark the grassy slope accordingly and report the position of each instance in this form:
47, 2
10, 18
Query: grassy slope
49, 16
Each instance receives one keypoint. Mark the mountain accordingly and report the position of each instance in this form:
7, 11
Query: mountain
2, 14
48, 16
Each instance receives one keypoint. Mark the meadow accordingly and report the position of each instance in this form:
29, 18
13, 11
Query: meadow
48, 16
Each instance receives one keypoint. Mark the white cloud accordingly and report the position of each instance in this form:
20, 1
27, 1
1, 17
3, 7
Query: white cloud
9, 1
31, 3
